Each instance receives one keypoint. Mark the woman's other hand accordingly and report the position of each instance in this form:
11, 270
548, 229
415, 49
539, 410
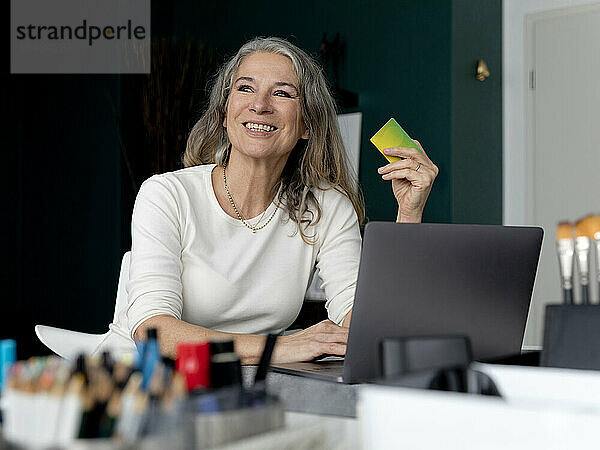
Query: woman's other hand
412, 179
323, 338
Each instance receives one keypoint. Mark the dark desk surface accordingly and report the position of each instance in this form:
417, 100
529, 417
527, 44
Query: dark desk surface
307, 395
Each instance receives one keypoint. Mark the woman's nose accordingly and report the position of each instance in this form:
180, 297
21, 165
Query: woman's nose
261, 103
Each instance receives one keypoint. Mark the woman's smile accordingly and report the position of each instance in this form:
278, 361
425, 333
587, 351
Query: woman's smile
259, 128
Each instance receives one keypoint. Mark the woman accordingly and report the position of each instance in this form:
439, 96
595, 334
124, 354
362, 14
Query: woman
225, 248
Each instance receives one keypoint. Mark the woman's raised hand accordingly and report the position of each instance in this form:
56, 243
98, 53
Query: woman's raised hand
412, 179
323, 338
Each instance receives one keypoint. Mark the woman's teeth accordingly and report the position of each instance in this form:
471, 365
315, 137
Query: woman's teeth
259, 127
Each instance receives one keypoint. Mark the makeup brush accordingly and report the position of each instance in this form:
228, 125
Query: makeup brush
565, 248
582, 250
594, 232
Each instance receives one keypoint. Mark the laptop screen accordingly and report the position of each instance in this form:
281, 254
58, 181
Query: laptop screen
440, 279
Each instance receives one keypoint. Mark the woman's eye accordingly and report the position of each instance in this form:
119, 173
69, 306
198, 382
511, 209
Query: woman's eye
282, 94
244, 88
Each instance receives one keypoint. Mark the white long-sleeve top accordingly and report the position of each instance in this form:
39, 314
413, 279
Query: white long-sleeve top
193, 261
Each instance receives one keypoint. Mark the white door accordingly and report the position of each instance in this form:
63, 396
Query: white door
563, 136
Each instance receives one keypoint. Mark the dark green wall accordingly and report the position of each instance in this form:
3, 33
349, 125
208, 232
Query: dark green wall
62, 184
397, 59
411, 59
65, 251
476, 112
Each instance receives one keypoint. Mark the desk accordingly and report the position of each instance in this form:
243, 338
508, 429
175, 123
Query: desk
540, 408
301, 432
319, 414
308, 395
305, 432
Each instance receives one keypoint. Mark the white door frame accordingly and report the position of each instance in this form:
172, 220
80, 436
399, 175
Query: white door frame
514, 90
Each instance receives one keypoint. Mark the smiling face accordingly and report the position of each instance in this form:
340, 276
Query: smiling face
263, 118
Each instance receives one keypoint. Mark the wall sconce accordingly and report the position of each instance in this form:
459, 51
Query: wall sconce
482, 72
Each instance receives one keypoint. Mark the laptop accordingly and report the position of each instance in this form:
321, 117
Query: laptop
435, 279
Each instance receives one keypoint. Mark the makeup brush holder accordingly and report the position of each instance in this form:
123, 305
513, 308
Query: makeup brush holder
572, 337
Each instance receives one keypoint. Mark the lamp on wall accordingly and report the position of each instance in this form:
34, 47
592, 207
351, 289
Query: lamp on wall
482, 72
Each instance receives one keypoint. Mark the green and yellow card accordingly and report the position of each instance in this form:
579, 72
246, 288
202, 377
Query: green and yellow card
392, 135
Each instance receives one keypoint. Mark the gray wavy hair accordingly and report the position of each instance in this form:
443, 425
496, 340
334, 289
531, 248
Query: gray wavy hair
317, 163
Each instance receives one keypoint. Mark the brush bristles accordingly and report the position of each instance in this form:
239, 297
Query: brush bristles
589, 227
594, 226
581, 228
564, 231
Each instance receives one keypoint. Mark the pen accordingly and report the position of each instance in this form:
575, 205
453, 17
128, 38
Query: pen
265, 359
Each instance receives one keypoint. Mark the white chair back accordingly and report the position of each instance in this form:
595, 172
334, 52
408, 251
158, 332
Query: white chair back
121, 301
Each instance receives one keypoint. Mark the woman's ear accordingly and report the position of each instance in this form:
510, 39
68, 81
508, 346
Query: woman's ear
306, 133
